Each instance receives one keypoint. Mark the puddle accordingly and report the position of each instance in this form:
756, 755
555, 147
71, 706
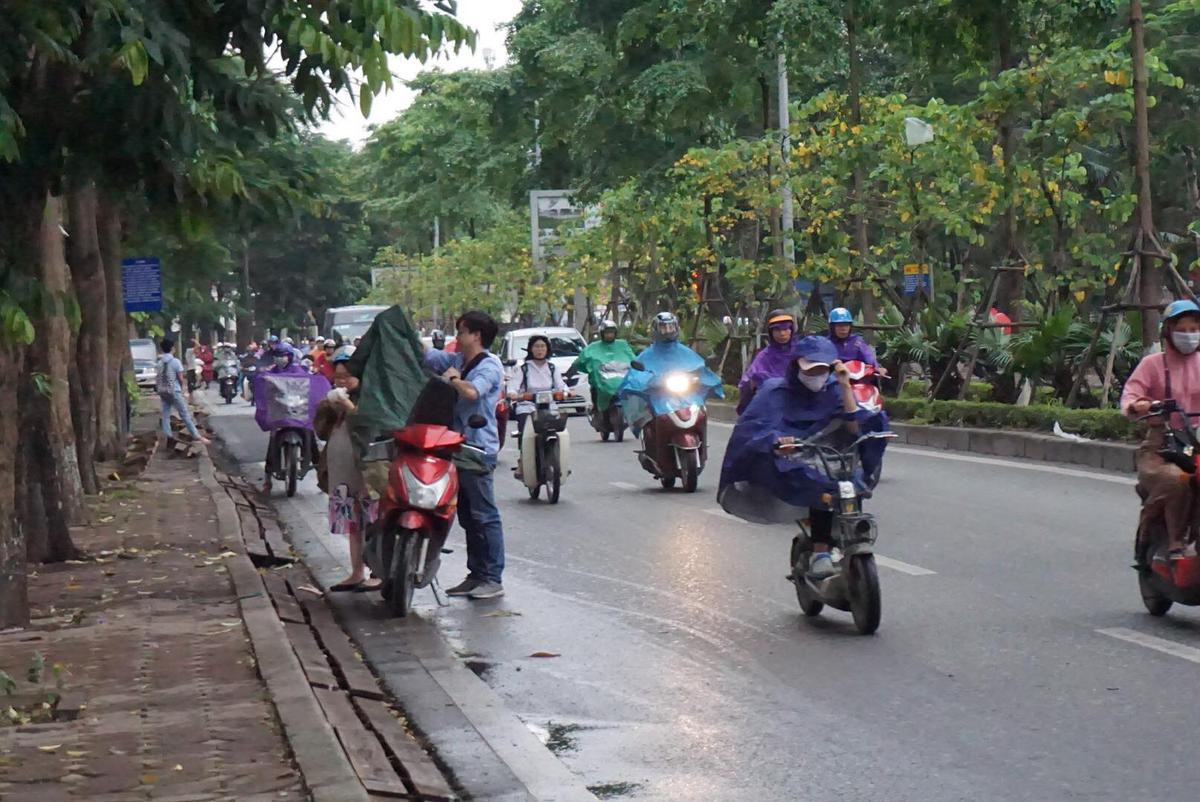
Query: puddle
614, 790
560, 739
480, 667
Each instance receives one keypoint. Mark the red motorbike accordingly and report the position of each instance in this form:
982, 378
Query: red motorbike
675, 442
864, 380
1165, 579
404, 546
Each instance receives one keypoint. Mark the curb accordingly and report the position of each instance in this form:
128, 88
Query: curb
1118, 457
325, 770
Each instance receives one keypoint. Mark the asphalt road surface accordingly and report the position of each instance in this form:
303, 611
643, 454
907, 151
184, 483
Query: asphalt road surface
1014, 662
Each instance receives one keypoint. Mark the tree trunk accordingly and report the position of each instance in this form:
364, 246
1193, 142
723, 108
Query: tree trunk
245, 306
1150, 291
1011, 287
862, 242
14, 597
61, 487
113, 424
91, 392
31, 505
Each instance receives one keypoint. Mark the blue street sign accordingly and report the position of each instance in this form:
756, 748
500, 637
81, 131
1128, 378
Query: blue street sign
142, 284
918, 278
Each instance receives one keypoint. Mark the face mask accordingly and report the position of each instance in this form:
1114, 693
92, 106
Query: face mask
281, 361
1186, 342
814, 383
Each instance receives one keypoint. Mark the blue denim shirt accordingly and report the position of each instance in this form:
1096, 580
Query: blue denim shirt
487, 377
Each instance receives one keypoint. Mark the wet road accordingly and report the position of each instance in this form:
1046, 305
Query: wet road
1014, 661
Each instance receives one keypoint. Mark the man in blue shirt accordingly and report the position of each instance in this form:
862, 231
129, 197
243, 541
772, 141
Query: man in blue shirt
476, 375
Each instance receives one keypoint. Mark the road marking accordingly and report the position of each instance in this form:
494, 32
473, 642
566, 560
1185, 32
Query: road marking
1103, 477
720, 513
1004, 463
886, 562
1150, 642
624, 485
903, 567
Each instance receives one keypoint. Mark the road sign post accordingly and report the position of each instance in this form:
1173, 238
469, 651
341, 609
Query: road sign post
141, 282
918, 278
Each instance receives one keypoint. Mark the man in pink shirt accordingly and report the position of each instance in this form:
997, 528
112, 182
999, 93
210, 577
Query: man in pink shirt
1174, 373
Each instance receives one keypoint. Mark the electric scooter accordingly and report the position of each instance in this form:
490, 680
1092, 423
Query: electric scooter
855, 585
545, 446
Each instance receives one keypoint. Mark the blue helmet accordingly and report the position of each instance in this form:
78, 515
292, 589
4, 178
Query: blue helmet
1179, 309
840, 315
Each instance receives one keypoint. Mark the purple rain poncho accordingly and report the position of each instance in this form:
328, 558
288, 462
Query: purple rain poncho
853, 348
769, 363
288, 397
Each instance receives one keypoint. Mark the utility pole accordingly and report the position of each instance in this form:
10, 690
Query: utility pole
786, 220
437, 243
1146, 245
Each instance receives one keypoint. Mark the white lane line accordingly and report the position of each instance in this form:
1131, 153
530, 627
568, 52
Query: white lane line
1025, 466
903, 567
720, 513
624, 485
1003, 463
886, 562
1150, 642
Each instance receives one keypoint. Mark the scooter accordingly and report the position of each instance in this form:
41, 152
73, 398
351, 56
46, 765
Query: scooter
193, 375
864, 383
249, 369
1163, 581
404, 546
611, 421
855, 586
675, 443
545, 446
227, 378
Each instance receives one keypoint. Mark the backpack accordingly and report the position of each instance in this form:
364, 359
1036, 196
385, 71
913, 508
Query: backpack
525, 374
163, 384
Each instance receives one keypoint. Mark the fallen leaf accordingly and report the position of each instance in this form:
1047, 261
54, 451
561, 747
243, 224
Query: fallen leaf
178, 767
49, 747
231, 623
500, 614
106, 519
311, 590
545, 654
77, 752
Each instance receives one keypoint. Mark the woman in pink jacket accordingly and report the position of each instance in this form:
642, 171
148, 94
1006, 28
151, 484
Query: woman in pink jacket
1172, 373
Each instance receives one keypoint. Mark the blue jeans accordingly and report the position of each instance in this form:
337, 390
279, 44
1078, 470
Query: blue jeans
179, 405
479, 516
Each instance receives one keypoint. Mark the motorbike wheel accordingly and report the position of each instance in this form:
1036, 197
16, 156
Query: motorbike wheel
667, 482
866, 602
810, 605
604, 435
690, 471
1156, 604
553, 473
534, 492
292, 459
619, 434
404, 573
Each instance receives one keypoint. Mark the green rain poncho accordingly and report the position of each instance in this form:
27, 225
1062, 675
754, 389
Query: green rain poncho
605, 365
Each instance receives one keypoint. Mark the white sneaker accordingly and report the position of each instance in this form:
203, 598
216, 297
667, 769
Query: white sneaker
821, 566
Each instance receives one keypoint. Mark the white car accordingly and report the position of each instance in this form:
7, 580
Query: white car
565, 345
144, 353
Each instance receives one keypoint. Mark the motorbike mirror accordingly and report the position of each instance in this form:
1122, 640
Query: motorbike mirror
477, 421
637, 365
572, 381
510, 363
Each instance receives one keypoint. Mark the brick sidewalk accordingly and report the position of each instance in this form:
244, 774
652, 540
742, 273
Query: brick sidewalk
153, 647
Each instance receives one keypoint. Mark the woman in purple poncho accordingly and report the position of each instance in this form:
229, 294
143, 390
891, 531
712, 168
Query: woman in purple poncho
772, 361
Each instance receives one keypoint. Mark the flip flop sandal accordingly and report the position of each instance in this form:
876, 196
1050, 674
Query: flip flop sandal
346, 587
367, 587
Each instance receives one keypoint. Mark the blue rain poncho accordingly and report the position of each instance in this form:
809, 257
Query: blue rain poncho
642, 395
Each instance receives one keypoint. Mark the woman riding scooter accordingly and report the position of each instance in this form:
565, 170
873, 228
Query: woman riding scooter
537, 374
772, 361
1172, 374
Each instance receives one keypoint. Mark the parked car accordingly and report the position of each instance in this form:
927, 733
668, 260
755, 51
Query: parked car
565, 345
145, 361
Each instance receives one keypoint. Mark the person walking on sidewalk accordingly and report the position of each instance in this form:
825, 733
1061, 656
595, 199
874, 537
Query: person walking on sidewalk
476, 375
169, 385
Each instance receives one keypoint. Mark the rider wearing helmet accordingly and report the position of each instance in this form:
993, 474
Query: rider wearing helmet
664, 328
600, 361
1173, 373
850, 346
608, 330
282, 359
771, 362
438, 338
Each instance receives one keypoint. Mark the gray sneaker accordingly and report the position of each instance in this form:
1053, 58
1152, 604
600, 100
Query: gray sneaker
487, 590
465, 587
821, 566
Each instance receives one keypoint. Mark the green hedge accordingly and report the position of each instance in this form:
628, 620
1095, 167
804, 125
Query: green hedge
1098, 424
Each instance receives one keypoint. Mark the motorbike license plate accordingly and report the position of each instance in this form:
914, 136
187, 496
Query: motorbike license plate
544, 397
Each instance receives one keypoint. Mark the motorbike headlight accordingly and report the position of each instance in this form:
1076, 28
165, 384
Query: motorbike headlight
420, 495
677, 383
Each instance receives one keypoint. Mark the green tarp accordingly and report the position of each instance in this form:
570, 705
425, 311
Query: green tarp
389, 364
